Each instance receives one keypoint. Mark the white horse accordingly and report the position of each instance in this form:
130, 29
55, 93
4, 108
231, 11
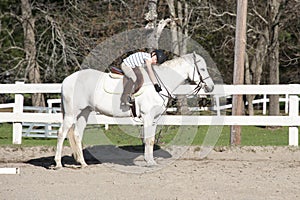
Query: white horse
92, 90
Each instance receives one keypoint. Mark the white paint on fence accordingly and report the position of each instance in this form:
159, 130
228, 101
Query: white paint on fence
292, 120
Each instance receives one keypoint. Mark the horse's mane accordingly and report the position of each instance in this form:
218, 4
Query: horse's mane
175, 61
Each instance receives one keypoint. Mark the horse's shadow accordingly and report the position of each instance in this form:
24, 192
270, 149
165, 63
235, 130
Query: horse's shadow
122, 155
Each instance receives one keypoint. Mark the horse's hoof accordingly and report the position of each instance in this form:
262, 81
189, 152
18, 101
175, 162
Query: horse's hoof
151, 163
83, 166
57, 167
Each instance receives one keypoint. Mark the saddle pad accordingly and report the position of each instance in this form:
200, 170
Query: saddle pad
115, 86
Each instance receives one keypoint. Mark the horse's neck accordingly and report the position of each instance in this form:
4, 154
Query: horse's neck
171, 77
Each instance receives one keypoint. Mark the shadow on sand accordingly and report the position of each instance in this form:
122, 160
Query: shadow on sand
122, 155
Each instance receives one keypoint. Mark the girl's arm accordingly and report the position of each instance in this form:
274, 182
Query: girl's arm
150, 72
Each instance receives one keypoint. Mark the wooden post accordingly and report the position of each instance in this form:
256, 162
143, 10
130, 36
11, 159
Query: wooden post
239, 58
294, 109
18, 109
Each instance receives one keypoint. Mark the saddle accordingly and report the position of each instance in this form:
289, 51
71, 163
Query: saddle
117, 73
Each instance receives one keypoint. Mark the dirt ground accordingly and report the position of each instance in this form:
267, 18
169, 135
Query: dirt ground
120, 173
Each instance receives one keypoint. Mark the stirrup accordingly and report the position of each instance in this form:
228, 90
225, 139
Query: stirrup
130, 99
126, 104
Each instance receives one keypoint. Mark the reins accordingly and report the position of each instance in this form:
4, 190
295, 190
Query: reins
161, 83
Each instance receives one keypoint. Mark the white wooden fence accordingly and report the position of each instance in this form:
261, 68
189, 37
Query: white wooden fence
292, 120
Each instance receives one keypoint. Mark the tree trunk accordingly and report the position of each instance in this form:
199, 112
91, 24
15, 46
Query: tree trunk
273, 52
185, 29
179, 21
248, 80
32, 68
173, 27
254, 67
151, 15
182, 105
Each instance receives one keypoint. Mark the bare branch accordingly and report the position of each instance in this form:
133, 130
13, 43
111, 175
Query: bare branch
222, 14
261, 17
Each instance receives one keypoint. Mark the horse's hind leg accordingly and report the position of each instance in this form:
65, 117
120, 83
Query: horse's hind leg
75, 137
149, 136
76, 145
62, 133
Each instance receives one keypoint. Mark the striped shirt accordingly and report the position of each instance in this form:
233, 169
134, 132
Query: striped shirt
137, 59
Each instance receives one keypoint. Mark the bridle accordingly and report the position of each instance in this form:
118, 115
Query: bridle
196, 90
201, 83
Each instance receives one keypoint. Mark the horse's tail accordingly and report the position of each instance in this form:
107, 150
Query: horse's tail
60, 130
73, 142
62, 103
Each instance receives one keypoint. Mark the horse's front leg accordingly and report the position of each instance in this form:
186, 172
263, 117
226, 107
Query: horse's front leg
149, 136
148, 155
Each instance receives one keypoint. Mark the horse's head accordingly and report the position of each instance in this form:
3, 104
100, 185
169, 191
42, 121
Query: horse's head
198, 73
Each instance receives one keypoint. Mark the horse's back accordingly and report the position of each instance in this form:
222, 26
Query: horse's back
80, 86
83, 75
86, 77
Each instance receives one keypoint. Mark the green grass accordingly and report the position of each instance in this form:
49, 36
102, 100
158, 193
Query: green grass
5, 134
166, 135
6, 138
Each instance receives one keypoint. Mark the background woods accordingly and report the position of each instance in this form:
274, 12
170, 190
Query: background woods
46, 40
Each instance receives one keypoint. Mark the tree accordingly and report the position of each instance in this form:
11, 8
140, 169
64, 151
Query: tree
257, 48
273, 51
66, 31
289, 39
33, 69
179, 13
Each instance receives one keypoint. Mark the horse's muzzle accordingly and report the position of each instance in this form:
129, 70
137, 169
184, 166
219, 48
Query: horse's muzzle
208, 88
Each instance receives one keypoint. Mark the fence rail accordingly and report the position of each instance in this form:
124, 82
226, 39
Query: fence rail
292, 120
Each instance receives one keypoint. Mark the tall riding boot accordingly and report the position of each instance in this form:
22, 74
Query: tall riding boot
127, 92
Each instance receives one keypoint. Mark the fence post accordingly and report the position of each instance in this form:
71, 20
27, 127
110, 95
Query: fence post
48, 127
293, 112
217, 97
265, 104
18, 109
286, 104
